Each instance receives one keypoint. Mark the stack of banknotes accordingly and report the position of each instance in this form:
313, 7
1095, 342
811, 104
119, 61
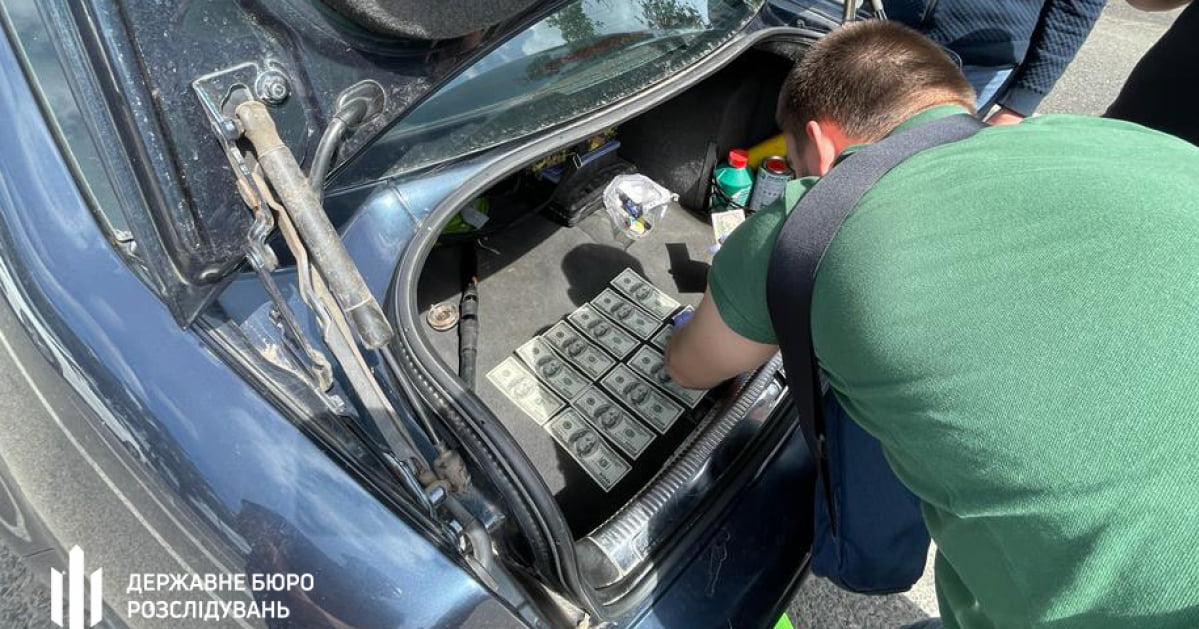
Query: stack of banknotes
596, 381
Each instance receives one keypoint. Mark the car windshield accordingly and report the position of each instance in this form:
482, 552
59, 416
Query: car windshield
581, 57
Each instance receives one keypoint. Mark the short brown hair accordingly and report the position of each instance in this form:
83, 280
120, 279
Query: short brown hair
868, 77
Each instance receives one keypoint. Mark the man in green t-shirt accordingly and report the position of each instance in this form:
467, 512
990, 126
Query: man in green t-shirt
1015, 317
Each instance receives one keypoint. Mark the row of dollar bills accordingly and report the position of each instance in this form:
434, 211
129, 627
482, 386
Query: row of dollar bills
570, 378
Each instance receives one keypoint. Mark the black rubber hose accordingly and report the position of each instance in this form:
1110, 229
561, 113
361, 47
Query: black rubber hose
351, 115
468, 317
325, 149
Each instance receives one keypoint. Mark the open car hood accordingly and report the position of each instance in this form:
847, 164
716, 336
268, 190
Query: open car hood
139, 63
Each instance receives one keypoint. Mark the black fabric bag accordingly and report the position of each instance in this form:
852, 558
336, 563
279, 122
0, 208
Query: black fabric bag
869, 535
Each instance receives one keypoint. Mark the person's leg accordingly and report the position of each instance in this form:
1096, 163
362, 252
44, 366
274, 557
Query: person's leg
1161, 91
986, 81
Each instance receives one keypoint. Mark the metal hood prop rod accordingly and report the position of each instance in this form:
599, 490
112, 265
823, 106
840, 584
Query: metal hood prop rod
310, 236
304, 206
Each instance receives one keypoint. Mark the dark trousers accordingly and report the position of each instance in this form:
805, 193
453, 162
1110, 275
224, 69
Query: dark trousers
1162, 89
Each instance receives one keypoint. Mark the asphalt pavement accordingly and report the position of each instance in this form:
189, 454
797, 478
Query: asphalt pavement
24, 602
1093, 80
1119, 40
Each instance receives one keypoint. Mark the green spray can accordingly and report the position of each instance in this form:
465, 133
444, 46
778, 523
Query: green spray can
732, 183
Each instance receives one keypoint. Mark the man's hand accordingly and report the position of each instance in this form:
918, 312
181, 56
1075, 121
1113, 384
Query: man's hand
705, 351
1004, 116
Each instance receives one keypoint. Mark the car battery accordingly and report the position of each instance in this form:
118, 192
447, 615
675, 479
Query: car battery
581, 194
580, 179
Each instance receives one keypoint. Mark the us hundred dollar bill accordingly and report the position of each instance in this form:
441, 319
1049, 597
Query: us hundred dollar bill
645, 294
520, 386
662, 338
651, 363
650, 404
615, 423
623, 311
588, 449
600, 329
582, 353
551, 368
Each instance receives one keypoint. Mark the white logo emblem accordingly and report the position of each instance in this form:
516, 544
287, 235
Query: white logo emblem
76, 594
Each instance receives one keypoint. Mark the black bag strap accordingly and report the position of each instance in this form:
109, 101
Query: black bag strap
801, 244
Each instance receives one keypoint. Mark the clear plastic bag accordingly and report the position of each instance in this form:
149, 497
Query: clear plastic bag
635, 204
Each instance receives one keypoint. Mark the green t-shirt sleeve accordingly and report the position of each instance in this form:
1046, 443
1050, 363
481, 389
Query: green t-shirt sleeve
737, 279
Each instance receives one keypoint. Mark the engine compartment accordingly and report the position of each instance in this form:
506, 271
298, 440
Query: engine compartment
534, 270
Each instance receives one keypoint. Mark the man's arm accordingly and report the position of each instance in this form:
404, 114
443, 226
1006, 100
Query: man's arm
1063, 27
705, 351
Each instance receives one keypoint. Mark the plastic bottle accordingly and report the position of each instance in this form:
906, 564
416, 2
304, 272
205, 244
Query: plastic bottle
731, 183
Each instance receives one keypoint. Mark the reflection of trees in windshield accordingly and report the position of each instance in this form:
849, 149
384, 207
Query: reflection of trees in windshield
585, 55
671, 15
578, 22
548, 66
575, 24
586, 36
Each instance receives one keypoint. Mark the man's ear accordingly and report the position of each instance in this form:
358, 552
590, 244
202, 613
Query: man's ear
823, 146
